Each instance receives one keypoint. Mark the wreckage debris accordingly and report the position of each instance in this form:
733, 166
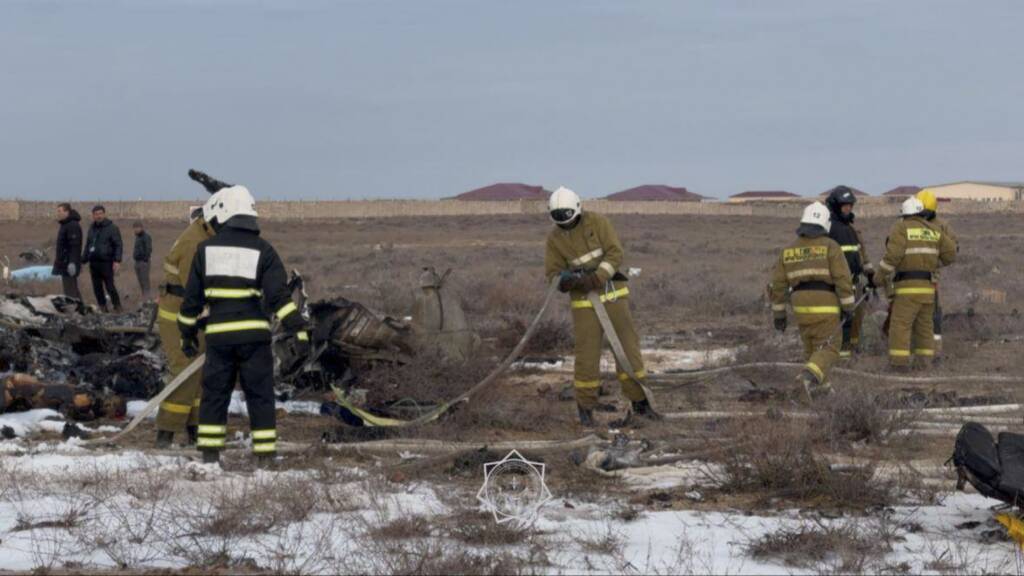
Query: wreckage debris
22, 392
57, 353
70, 351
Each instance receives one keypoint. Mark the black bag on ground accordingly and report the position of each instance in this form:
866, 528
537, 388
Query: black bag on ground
994, 469
1011, 458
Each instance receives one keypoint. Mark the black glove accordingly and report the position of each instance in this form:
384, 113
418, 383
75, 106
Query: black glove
846, 316
190, 345
569, 281
780, 324
591, 282
871, 282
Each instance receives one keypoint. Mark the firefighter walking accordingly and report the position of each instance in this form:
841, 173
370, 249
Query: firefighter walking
813, 275
585, 251
931, 208
840, 202
236, 273
915, 249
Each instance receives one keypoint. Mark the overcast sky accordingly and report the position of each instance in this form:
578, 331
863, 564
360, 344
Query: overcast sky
425, 99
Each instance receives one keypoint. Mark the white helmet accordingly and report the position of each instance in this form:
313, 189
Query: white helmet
564, 206
817, 213
912, 206
227, 203
208, 207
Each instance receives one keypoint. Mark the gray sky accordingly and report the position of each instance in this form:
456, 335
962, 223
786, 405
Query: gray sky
409, 99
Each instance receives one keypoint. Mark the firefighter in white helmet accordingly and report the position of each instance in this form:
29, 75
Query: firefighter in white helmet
238, 275
585, 250
915, 250
812, 274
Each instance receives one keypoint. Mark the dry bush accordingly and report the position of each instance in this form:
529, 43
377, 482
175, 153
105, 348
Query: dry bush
403, 528
845, 548
855, 414
700, 291
608, 542
66, 518
553, 335
777, 459
212, 530
441, 559
474, 528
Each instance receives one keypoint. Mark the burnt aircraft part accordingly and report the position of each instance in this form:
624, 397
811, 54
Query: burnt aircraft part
63, 343
438, 320
137, 375
25, 392
359, 332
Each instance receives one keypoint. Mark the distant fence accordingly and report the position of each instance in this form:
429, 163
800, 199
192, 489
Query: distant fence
15, 210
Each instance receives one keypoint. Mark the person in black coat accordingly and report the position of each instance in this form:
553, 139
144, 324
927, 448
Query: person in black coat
103, 249
67, 263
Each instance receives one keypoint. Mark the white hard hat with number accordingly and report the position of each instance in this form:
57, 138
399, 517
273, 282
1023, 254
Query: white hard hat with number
817, 213
564, 206
911, 207
229, 202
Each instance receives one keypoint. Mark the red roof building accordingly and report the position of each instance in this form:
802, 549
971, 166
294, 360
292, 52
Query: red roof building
856, 192
505, 191
655, 192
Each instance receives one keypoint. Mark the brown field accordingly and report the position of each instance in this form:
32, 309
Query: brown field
702, 287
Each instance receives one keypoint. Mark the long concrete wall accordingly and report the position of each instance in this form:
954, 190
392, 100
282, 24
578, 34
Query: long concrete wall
14, 210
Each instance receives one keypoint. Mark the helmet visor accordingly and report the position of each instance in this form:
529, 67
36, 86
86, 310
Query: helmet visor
563, 215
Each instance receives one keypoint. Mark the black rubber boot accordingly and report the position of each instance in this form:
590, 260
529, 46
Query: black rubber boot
586, 417
193, 434
266, 461
164, 439
211, 456
643, 409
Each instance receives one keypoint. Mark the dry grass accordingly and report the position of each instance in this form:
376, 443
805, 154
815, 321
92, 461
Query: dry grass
857, 414
849, 547
778, 460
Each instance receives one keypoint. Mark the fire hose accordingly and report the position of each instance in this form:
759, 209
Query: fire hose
374, 420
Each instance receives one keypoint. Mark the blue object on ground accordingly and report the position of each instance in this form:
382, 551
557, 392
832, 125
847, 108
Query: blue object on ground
32, 273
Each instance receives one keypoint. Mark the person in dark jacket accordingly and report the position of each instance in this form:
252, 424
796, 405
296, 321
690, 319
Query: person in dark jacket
141, 254
239, 276
840, 202
67, 263
103, 250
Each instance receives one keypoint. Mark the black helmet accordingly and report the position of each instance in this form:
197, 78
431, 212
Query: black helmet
838, 196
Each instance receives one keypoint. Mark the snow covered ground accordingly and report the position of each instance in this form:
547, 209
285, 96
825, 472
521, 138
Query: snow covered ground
62, 505
656, 360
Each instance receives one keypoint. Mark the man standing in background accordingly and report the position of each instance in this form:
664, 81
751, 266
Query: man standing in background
141, 254
67, 262
103, 254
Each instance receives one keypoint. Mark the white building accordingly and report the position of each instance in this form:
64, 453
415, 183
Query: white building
980, 191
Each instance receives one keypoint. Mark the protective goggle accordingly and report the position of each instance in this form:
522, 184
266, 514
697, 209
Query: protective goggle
563, 215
